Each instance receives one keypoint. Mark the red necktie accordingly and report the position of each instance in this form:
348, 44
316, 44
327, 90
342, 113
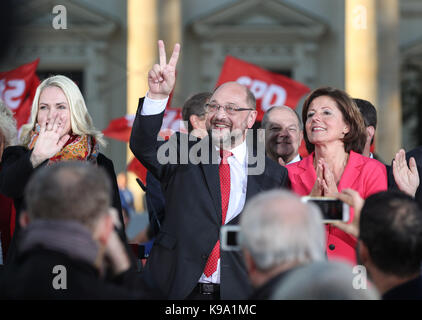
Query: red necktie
224, 171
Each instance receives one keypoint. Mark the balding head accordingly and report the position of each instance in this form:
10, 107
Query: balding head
240, 90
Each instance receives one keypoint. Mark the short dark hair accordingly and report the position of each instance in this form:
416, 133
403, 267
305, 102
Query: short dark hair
355, 139
71, 190
368, 111
391, 228
195, 105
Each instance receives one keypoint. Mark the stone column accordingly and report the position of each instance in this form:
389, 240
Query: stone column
389, 130
142, 53
372, 65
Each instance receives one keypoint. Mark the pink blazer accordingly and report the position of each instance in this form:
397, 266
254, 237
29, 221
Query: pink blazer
363, 174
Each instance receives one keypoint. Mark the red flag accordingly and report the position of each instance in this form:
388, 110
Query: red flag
137, 168
120, 128
268, 87
17, 90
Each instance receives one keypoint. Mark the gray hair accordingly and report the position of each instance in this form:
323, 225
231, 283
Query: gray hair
326, 280
265, 119
277, 228
69, 190
7, 126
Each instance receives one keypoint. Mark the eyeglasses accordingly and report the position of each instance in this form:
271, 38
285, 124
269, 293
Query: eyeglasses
229, 108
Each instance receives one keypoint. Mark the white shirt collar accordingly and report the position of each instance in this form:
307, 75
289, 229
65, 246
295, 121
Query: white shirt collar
295, 159
239, 152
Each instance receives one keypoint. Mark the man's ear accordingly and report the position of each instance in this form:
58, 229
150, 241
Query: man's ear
193, 119
252, 118
370, 131
24, 219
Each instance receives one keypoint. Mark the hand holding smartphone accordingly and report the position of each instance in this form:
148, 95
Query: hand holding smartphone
332, 209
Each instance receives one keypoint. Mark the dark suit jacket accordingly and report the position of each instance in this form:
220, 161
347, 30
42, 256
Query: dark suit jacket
193, 215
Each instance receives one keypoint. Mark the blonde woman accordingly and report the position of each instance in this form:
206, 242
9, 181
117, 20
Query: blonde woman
60, 129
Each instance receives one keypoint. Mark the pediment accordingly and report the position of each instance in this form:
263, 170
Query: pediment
259, 17
37, 16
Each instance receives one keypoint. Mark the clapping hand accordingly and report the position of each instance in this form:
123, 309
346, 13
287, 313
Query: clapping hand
50, 141
162, 77
406, 177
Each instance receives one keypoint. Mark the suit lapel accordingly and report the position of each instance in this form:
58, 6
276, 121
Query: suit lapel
351, 172
308, 174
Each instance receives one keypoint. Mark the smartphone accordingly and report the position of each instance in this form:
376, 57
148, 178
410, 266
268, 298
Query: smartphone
332, 209
229, 238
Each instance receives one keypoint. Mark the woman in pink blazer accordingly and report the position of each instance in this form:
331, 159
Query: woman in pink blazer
335, 135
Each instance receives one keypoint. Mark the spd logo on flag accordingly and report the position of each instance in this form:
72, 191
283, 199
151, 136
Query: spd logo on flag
270, 89
17, 89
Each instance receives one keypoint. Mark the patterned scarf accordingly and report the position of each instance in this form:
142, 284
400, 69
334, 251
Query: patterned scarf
82, 148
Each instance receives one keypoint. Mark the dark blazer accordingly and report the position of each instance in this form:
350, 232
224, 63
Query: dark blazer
17, 170
193, 215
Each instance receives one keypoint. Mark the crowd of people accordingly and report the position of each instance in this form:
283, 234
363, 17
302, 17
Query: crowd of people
63, 222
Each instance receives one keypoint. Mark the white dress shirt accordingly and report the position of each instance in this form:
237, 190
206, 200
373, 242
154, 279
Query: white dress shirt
238, 183
238, 176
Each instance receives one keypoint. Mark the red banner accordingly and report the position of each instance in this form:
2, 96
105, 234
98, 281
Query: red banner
269, 88
137, 168
120, 128
17, 90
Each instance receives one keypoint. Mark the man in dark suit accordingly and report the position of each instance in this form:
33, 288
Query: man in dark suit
204, 188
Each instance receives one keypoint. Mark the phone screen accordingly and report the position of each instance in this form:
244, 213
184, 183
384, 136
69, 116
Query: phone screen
332, 209
230, 237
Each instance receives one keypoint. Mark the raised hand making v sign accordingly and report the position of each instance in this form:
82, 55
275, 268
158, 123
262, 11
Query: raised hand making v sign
162, 77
